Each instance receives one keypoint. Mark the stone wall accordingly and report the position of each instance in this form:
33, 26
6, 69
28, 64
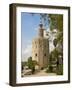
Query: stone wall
40, 51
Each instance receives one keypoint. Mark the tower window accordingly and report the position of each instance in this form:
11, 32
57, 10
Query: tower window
36, 54
46, 34
45, 54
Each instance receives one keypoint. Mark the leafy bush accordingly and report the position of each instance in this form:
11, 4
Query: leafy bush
47, 70
31, 64
60, 70
50, 68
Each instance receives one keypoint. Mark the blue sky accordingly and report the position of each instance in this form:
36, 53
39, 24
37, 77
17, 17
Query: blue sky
29, 24
29, 27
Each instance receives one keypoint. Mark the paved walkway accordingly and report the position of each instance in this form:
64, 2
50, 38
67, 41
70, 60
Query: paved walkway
41, 73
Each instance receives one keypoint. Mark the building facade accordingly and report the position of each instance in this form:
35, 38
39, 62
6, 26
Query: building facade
40, 49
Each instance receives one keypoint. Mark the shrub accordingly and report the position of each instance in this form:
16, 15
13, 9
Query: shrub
59, 69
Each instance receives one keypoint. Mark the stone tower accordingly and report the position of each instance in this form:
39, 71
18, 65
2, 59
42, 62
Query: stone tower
40, 48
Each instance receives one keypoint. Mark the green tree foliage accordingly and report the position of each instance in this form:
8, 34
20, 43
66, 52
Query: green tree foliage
31, 64
59, 69
23, 63
56, 22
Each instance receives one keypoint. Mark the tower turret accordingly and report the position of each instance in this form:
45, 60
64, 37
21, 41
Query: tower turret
41, 30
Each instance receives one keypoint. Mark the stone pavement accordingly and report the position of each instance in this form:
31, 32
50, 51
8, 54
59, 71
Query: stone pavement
41, 73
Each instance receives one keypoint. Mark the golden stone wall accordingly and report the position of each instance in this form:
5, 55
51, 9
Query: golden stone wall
40, 51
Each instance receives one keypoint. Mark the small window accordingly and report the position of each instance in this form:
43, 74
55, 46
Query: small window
46, 34
36, 54
45, 54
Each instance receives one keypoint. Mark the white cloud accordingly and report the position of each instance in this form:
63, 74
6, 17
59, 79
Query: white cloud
27, 49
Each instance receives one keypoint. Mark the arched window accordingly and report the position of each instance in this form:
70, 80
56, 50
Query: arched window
36, 54
45, 54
